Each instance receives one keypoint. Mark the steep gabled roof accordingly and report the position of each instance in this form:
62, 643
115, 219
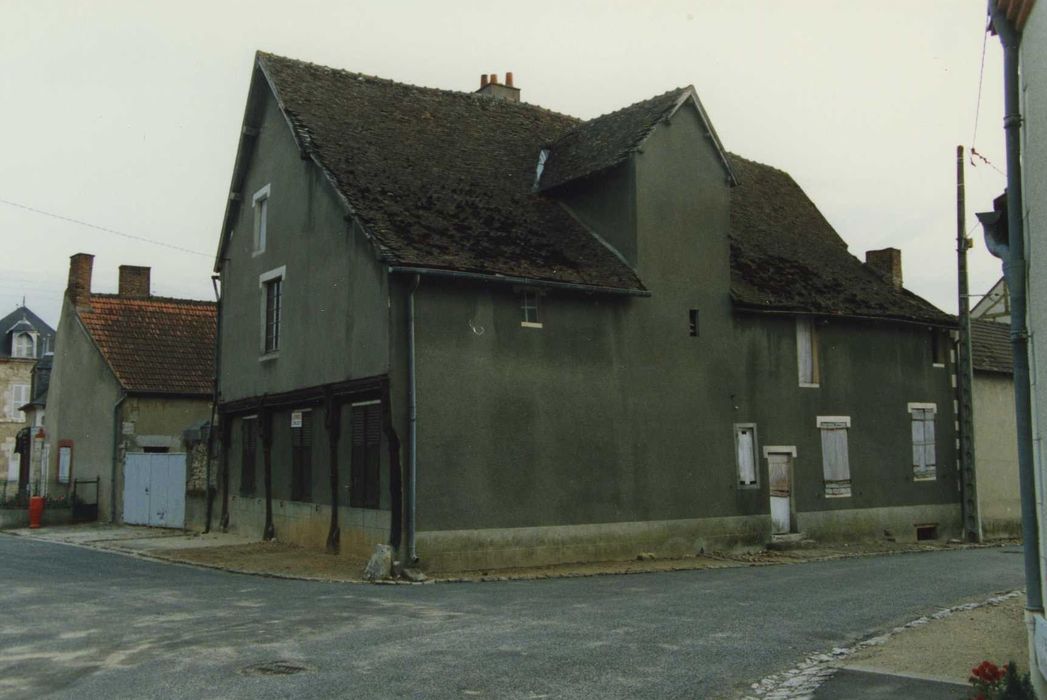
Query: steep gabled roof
155, 345
441, 179
601, 143
22, 319
991, 347
786, 257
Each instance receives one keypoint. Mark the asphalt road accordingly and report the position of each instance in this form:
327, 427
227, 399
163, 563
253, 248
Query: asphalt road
79, 623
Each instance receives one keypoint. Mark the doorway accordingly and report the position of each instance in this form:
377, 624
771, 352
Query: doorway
779, 481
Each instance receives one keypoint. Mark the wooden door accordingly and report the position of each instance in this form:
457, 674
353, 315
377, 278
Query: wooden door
779, 478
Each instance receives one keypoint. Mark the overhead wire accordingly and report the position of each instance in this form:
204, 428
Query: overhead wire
106, 229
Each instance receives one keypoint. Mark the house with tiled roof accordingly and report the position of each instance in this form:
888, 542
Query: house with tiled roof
491, 334
25, 338
132, 374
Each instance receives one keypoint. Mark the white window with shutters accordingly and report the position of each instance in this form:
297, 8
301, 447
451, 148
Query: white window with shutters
807, 352
836, 466
924, 463
745, 454
19, 397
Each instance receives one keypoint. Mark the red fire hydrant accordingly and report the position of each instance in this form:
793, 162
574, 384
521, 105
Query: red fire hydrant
36, 511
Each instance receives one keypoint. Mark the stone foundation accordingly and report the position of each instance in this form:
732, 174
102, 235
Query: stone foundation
872, 523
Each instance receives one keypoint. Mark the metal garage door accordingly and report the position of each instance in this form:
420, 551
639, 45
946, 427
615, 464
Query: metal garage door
154, 489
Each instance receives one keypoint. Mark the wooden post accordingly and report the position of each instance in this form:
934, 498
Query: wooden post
396, 491
265, 418
972, 525
226, 426
333, 415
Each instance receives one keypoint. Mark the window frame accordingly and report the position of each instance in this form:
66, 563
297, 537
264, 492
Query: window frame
844, 488
302, 457
275, 276
923, 409
940, 347
739, 428
30, 337
815, 378
260, 207
365, 478
249, 487
530, 320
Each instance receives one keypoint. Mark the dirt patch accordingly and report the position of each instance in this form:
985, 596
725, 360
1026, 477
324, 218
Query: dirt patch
273, 558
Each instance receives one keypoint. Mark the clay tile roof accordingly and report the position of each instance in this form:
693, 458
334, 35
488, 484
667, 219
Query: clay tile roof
442, 179
991, 347
785, 256
155, 344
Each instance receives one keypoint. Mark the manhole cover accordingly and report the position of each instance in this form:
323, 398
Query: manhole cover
274, 668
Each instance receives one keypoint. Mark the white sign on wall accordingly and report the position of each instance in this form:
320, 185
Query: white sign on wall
65, 457
296, 419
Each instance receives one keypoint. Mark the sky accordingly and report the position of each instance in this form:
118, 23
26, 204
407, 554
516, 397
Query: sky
125, 115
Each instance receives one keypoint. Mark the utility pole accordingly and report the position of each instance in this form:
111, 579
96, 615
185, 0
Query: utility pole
972, 522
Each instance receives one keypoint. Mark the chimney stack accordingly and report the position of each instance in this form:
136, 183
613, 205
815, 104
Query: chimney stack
134, 281
78, 289
490, 87
888, 262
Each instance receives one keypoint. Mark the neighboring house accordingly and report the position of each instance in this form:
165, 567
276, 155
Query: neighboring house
24, 337
32, 442
995, 449
131, 373
995, 305
514, 337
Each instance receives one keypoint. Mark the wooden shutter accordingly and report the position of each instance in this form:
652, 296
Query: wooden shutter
357, 469
923, 457
836, 466
248, 441
805, 351
373, 439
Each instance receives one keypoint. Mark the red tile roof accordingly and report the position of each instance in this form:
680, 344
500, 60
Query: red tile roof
155, 344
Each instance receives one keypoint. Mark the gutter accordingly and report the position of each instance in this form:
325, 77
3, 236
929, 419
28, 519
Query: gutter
117, 424
509, 279
412, 403
1012, 251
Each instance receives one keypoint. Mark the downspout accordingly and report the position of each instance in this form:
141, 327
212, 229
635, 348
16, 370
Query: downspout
208, 494
1014, 272
412, 403
117, 425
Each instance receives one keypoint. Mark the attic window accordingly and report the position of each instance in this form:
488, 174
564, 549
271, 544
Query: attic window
529, 305
22, 345
260, 203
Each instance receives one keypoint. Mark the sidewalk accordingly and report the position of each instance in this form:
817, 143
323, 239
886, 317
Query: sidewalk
927, 659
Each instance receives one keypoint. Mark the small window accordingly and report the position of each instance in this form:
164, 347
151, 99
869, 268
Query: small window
301, 455
939, 347
261, 219
807, 352
836, 467
273, 302
65, 461
19, 397
529, 305
745, 453
365, 468
924, 465
23, 345
248, 452
693, 325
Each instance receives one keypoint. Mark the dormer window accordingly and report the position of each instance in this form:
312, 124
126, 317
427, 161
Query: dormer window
23, 345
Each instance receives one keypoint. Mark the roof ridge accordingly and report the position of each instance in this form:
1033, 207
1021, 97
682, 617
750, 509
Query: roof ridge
412, 86
620, 110
153, 298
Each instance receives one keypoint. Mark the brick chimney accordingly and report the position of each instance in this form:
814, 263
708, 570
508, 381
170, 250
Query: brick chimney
490, 87
888, 262
78, 289
134, 281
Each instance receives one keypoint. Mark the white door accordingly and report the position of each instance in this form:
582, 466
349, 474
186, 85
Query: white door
778, 478
154, 489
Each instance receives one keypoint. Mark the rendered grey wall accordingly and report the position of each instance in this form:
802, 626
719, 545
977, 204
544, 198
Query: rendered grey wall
996, 454
80, 401
611, 412
335, 308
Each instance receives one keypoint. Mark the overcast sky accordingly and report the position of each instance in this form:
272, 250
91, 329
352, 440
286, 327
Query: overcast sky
126, 115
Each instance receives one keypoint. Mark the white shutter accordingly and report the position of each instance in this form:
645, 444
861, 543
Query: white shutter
13, 468
746, 457
917, 440
835, 463
65, 455
928, 440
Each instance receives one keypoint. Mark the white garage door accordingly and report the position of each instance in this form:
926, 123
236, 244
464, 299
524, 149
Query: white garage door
154, 489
